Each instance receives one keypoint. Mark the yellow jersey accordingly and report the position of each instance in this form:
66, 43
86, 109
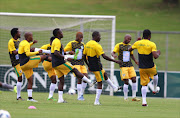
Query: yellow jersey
24, 52
145, 48
123, 54
56, 45
93, 51
73, 46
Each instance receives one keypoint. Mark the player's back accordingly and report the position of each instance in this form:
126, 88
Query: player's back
46, 47
145, 48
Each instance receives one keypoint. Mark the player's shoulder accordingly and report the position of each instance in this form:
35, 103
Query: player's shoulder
10, 40
121, 43
151, 43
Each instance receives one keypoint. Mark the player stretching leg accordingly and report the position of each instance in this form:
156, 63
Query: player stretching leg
13, 46
126, 68
93, 50
61, 66
75, 46
146, 51
27, 63
7, 86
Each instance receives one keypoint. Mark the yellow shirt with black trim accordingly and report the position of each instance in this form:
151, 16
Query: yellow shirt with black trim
24, 52
72, 46
56, 45
120, 48
145, 48
46, 47
12, 46
93, 51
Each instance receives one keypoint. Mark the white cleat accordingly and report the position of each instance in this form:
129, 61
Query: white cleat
118, 88
97, 103
92, 83
32, 100
61, 101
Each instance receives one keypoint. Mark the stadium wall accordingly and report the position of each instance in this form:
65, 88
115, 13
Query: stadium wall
42, 81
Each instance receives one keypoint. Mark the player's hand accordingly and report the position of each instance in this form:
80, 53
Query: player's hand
137, 62
35, 41
69, 59
71, 52
32, 49
159, 52
40, 51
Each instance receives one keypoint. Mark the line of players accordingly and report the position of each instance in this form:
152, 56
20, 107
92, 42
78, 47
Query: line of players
54, 62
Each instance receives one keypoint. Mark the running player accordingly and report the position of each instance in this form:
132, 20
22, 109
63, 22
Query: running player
93, 50
27, 63
13, 46
51, 73
7, 86
146, 51
126, 68
74, 46
61, 66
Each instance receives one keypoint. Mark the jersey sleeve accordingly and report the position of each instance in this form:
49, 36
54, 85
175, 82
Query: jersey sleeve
154, 47
68, 47
131, 52
116, 48
44, 47
84, 51
99, 50
11, 46
134, 46
31, 43
27, 51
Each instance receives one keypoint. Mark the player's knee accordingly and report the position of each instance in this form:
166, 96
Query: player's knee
20, 79
126, 81
133, 80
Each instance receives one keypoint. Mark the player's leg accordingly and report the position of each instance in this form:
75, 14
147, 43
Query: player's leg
52, 87
6, 86
144, 81
125, 89
18, 71
98, 92
81, 76
84, 85
155, 83
132, 75
60, 90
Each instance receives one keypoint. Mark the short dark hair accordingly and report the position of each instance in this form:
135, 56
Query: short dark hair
146, 33
52, 38
55, 31
14, 31
95, 33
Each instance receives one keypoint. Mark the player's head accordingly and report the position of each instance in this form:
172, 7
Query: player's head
147, 34
79, 36
96, 36
51, 39
58, 33
15, 33
28, 36
127, 39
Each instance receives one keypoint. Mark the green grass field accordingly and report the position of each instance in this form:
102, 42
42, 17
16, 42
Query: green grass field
112, 107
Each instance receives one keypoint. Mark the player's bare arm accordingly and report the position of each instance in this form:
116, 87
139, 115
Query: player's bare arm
58, 54
85, 60
130, 49
109, 59
134, 59
114, 54
156, 54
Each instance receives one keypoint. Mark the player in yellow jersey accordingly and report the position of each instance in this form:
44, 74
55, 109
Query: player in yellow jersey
51, 73
61, 66
73, 46
27, 63
13, 46
126, 68
147, 69
92, 52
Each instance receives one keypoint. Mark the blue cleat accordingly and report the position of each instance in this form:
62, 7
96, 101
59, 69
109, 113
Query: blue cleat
81, 98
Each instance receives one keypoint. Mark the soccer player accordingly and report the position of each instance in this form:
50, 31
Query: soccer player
73, 46
61, 66
13, 46
7, 86
126, 68
146, 51
51, 73
27, 63
92, 52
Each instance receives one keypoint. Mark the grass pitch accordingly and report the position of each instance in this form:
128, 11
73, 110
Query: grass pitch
112, 107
